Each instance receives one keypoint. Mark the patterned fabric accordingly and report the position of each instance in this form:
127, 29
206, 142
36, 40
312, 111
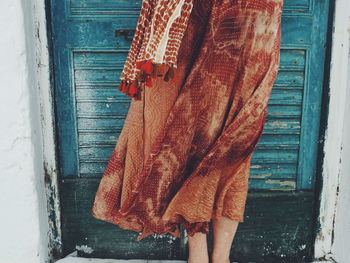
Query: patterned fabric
153, 52
183, 156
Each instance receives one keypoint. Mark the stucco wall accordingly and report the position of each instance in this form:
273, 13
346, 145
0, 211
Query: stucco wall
341, 246
23, 221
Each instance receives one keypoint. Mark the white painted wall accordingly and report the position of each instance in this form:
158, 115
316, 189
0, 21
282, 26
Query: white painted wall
23, 220
341, 246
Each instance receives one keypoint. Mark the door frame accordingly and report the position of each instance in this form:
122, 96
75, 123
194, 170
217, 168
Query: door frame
332, 135
333, 115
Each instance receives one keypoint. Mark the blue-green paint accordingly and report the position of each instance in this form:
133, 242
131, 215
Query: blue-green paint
89, 56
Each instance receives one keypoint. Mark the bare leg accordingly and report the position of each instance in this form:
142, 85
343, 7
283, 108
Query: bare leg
224, 230
198, 249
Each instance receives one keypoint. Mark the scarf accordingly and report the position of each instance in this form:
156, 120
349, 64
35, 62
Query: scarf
153, 53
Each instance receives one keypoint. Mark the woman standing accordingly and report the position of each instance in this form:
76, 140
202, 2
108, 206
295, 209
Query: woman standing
200, 74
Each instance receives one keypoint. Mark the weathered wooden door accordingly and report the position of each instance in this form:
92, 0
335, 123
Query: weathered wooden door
91, 39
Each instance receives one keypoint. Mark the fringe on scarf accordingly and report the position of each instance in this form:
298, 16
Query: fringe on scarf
148, 71
154, 49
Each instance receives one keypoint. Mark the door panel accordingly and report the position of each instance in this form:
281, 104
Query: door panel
91, 39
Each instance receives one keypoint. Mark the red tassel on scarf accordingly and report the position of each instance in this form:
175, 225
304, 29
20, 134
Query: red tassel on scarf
133, 89
148, 71
147, 67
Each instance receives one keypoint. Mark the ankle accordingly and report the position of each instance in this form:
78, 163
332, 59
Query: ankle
198, 249
219, 258
198, 259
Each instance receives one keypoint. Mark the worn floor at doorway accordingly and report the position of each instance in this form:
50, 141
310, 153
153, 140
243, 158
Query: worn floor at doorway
72, 258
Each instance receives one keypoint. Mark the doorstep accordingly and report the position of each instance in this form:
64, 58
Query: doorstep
72, 258
96, 260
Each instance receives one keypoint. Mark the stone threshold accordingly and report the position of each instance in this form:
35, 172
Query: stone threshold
72, 258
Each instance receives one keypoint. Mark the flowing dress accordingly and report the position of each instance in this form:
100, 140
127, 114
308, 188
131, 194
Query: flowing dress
184, 153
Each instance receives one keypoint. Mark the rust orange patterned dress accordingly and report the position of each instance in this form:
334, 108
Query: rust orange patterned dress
183, 156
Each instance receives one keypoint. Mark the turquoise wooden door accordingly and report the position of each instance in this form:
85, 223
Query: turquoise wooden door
91, 39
